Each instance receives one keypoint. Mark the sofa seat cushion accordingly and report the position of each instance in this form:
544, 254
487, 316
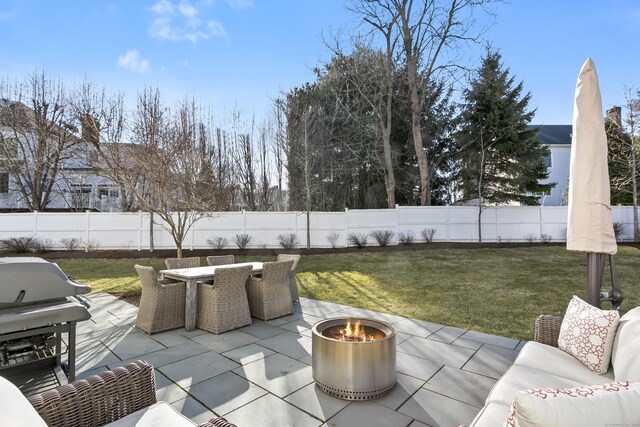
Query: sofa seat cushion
160, 414
626, 347
15, 409
520, 377
615, 403
492, 415
555, 361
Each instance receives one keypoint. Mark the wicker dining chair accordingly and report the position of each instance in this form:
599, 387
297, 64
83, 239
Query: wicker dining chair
174, 263
223, 306
220, 260
293, 283
270, 296
161, 304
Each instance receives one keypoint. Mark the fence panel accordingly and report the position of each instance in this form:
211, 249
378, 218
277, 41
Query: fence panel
130, 230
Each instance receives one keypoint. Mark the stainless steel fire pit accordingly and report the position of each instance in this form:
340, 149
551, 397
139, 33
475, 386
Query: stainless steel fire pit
354, 370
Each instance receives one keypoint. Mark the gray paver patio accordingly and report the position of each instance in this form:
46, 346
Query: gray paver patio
261, 375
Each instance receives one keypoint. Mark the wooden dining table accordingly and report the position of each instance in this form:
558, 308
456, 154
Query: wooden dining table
191, 276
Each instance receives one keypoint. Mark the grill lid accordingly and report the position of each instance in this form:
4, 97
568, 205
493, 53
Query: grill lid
30, 280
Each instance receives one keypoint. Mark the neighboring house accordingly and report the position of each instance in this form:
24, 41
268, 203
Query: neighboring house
558, 139
77, 187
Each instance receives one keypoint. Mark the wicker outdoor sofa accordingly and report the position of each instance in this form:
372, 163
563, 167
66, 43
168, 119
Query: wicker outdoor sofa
563, 386
123, 397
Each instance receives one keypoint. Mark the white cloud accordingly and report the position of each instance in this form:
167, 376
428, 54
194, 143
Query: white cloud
132, 61
187, 10
163, 7
240, 4
181, 22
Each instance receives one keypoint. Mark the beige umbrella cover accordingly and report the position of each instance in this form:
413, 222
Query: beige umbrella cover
589, 226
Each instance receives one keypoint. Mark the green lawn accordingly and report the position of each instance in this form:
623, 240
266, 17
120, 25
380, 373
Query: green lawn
499, 291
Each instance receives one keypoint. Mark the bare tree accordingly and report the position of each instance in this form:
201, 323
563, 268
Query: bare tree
102, 119
173, 156
624, 154
428, 31
36, 136
279, 150
371, 73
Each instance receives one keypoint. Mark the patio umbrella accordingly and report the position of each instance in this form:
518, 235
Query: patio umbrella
589, 226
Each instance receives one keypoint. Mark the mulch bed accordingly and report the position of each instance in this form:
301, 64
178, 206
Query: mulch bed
168, 253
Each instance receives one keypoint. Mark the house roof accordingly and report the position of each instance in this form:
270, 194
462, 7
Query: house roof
554, 134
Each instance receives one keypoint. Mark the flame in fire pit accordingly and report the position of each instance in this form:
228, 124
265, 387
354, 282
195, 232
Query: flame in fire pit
354, 332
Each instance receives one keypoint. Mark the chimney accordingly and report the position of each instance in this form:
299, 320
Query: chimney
614, 114
90, 129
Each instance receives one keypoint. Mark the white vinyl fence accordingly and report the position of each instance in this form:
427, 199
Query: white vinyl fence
126, 230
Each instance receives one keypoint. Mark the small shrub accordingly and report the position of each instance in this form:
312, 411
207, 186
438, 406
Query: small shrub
546, 238
71, 244
383, 237
91, 246
333, 239
218, 242
241, 240
530, 238
288, 241
44, 245
359, 240
19, 245
406, 237
427, 234
618, 229
262, 245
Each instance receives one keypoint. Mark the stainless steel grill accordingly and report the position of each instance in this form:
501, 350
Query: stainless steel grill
354, 370
38, 303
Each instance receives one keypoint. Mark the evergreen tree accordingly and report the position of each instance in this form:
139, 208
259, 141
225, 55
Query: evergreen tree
501, 160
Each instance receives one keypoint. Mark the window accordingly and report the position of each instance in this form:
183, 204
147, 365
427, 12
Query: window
4, 183
80, 195
105, 190
547, 161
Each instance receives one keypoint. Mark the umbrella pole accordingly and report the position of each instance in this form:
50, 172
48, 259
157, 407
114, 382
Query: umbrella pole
595, 270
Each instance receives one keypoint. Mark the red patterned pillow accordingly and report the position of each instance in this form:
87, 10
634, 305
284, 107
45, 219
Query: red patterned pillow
616, 403
587, 334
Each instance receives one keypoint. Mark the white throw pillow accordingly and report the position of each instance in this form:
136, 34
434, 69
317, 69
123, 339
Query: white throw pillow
587, 334
613, 404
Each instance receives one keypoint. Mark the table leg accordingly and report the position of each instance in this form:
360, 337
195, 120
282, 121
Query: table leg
190, 305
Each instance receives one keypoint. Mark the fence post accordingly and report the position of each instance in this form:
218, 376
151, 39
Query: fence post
140, 232
244, 221
448, 233
397, 222
498, 224
346, 227
35, 224
540, 220
193, 235
88, 233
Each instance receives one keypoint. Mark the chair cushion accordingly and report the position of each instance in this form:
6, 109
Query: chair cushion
520, 377
160, 414
555, 361
15, 409
626, 347
599, 405
587, 333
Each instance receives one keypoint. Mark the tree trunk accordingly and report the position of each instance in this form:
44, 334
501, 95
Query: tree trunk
390, 178
416, 133
179, 250
479, 222
634, 184
151, 244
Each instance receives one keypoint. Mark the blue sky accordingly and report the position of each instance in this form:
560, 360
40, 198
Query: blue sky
246, 52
